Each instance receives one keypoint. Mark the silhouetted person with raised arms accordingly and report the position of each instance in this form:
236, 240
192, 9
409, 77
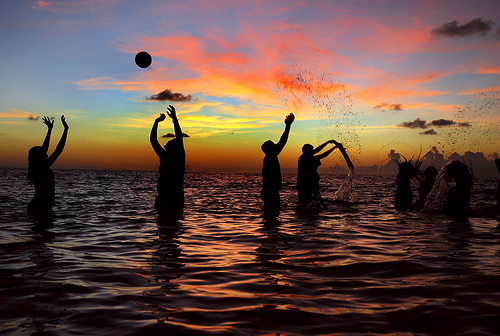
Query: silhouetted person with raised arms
308, 176
172, 165
271, 171
39, 172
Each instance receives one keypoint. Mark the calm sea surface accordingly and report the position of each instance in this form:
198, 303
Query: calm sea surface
105, 265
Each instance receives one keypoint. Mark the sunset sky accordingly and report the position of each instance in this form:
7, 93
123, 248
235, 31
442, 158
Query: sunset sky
376, 75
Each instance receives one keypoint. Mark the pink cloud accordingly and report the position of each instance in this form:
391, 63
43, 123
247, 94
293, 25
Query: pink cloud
76, 6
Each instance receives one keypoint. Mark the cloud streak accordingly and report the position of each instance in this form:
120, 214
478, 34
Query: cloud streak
429, 132
423, 124
168, 95
387, 106
172, 135
474, 27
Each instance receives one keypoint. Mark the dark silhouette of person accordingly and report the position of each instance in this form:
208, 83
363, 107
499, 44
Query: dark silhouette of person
170, 185
404, 195
39, 172
271, 171
497, 162
427, 183
307, 174
457, 201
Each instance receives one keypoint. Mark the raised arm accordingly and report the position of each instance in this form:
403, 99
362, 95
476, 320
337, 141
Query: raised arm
325, 154
320, 147
284, 137
177, 128
60, 146
50, 125
344, 154
153, 137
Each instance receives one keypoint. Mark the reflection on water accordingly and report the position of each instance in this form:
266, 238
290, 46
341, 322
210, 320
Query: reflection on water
106, 263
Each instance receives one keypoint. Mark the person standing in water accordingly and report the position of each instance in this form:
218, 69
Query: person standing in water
458, 198
271, 171
497, 162
308, 176
172, 165
39, 172
404, 195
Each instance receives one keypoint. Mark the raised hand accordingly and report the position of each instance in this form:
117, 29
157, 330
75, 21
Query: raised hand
63, 120
289, 119
161, 117
171, 112
48, 122
337, 144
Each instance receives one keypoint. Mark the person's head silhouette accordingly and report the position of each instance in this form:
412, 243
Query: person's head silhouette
268, 147
37, 156
308, 149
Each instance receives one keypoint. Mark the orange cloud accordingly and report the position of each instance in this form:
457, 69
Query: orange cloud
395, 87
489, 70
16, 114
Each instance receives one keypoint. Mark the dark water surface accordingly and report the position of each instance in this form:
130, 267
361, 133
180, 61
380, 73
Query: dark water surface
105, 265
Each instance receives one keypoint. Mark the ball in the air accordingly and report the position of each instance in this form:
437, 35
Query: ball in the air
143, 59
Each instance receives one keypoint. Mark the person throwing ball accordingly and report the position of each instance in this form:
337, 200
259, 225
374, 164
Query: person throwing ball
39, 172
172, 156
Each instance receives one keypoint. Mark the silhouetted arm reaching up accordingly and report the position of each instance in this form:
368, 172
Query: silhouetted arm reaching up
177, 128
60, 146
153, 137
344, 153
284, 137
320, 147
325, 154
50, 125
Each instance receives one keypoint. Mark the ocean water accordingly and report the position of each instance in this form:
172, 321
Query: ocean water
104, 264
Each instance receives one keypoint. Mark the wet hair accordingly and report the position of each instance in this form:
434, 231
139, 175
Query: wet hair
407, 169
430, 172
307, 148
267, 146
459, 172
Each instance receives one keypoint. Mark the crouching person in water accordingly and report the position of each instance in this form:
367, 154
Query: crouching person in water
170, 186
39, 172
458, 198
271, 171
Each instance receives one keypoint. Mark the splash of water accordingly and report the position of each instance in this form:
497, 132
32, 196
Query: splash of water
332, 102
477, 122
346, 192
436, 199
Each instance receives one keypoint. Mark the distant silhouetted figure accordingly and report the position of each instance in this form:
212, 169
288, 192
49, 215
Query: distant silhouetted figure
271, 171
172, 165
308, 176
404, 194
497, 162
458, 197
39, 172
427, 183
